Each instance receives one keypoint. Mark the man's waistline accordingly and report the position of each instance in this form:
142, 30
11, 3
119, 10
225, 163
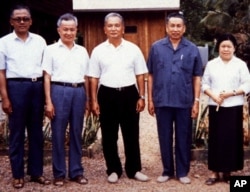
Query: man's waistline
119, 88
35, 79
68, 84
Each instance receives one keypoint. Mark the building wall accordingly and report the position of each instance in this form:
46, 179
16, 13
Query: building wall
142, 28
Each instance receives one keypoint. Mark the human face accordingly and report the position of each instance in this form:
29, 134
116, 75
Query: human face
226, 50
67, 31
114, 28
21, 21
175, 28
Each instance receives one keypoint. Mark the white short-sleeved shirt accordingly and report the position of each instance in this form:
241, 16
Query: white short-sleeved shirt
65, 65
22, 58
117, 66
219, 77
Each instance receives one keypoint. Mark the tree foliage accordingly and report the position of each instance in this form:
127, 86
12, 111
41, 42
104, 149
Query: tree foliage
230, 16
194, 11
210, 18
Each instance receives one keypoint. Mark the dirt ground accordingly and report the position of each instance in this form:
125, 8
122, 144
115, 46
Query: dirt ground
151, 162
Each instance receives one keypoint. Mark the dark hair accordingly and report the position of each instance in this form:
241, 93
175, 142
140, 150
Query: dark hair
225, 37
176, 14
67, 17
18, 7
113, 14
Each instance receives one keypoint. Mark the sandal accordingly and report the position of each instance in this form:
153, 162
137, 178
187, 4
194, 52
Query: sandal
41, 180
214, 178
18, 183
211, 181
58, 182
80, 179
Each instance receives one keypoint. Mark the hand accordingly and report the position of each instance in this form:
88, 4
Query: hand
50, 111
140, 105
95, 108
225, 95
195, 110
218, 99
6, 105
151, 108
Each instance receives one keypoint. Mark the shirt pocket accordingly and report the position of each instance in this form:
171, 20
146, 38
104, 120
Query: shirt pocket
187, 64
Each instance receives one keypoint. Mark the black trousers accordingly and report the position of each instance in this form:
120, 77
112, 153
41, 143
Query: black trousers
118, 109
225, 144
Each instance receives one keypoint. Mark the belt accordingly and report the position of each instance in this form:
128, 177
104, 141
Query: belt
119, 88
67, 84
35, 79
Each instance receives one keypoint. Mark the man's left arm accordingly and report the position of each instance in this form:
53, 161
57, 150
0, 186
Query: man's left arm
141, 89
87, 92
197, 89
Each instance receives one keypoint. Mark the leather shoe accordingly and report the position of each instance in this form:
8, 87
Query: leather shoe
18, 183
41, 180
80, 179
211, 181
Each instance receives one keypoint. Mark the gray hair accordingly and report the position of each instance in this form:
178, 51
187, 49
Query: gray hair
113, 14
67, 17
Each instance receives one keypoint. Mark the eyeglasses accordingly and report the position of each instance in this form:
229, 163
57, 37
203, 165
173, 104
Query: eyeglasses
20, 19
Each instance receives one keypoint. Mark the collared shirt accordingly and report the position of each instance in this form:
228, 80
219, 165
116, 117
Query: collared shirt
22, 58
173, 72
65, 65
219, 77
117, 66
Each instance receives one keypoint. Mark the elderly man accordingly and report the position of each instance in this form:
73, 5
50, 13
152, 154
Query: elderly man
66, 93
174, 81
119, 67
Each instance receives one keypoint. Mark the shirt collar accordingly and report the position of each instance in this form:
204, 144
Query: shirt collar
121, 45
15, 37
220, 59
182, 43
61, 44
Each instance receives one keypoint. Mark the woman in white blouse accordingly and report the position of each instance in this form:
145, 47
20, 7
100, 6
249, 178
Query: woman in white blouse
226, 80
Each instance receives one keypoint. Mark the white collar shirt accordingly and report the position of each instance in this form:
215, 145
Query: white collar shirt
219, 77
64, 64
117, 66
22, 58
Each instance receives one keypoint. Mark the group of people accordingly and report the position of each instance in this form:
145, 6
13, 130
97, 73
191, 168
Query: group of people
62, 81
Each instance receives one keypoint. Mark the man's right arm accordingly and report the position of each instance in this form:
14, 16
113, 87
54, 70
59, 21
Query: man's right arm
150, 95
6, 104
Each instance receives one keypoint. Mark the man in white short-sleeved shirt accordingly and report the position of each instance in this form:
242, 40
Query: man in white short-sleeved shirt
21, 86
118, 66
66, 91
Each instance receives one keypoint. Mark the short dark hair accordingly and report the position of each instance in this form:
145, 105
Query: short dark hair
18, 7
177, 15
225, 37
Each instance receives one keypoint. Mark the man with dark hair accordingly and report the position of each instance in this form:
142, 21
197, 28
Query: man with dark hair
21, 86
66, 96
175, 70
